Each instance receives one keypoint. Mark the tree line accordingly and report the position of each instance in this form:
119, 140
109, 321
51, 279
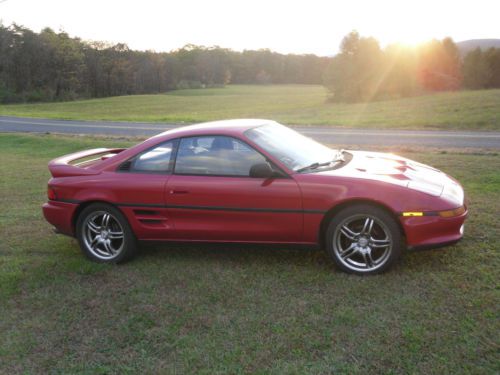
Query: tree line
364, 71
51, 66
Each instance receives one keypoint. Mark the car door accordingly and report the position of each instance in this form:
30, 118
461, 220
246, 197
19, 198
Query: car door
211, 195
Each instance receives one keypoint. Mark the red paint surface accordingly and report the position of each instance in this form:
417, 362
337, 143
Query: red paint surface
245, 209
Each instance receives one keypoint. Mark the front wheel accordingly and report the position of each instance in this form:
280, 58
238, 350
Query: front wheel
104, 234
363, 239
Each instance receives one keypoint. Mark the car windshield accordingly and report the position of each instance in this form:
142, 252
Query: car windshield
291, 148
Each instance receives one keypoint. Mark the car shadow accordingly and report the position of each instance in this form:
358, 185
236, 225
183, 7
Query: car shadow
234, 253
289, 255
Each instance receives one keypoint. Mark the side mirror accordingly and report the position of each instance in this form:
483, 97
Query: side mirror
261, 170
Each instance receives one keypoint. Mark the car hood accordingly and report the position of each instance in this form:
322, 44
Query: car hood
401, 171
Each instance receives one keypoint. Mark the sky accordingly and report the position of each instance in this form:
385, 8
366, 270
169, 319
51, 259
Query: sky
293, 26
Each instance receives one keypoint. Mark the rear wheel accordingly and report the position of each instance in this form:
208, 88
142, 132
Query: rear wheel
363, 239
104, 234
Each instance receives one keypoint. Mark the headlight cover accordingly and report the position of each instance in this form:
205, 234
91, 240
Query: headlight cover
425, 187
454, 192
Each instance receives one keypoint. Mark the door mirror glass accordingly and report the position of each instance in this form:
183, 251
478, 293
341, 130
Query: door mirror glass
261, 170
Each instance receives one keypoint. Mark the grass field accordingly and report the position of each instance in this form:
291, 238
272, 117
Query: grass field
290, 104
237, 309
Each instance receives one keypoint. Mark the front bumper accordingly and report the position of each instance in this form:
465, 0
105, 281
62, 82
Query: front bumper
60, 215
433, 231
432, 246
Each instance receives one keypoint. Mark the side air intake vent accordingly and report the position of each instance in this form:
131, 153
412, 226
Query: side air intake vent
125, 167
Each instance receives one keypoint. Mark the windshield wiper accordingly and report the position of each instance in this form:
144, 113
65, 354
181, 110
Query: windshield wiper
314, 166
339, 157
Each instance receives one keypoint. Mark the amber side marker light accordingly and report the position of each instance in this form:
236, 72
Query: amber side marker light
413, 214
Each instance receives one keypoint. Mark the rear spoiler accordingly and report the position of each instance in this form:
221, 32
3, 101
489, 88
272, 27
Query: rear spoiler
75, 164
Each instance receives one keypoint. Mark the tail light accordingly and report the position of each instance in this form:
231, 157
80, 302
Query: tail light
51, 193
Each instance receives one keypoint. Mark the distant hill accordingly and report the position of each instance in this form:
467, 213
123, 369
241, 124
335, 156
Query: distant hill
469, 45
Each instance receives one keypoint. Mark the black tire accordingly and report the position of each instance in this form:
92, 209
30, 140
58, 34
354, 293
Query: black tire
99, 238
356, 250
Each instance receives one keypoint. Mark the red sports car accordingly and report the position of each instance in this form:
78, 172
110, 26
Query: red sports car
253, 181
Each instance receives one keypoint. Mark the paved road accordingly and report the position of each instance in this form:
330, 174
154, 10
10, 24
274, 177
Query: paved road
331, 135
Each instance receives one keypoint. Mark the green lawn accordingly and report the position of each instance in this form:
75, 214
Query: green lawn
240, 309
291, 104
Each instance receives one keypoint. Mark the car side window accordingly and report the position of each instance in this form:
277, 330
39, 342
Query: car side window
156, 160
215, 156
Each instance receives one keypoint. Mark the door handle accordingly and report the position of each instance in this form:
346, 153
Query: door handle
178, 191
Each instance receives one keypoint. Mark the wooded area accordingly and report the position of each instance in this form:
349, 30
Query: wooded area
52, 66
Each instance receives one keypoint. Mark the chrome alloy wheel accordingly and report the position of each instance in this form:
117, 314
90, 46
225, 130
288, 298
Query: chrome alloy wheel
362, 243
103, 235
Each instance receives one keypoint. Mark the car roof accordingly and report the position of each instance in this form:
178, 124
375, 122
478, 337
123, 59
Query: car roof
226, 127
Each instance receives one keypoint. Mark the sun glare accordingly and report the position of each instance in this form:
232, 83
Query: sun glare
295, 26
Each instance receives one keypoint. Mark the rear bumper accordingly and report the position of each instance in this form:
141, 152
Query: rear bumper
60, 215
428, 232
